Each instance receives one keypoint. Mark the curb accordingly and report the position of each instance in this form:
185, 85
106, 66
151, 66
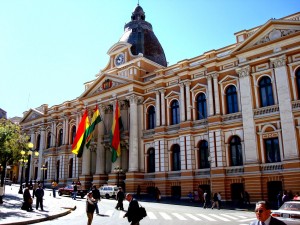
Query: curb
64, 213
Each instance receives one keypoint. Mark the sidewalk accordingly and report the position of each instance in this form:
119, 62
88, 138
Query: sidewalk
11, 212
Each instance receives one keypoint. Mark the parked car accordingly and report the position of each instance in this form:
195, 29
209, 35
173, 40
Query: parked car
289, 211
7, 182
69, 189
108, 191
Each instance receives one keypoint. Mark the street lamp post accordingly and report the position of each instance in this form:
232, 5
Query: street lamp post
44, 168
24, 160
118, 170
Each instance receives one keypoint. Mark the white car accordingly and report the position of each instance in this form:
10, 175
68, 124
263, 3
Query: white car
108, 191
288, 212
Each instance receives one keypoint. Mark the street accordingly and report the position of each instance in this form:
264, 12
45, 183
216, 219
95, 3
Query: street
158, 214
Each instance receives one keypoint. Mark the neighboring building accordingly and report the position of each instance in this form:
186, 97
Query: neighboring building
15, 119
227, 120
3, 114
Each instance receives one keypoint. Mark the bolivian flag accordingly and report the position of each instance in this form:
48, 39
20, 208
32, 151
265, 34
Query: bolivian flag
115, 136
79, 141
95, 120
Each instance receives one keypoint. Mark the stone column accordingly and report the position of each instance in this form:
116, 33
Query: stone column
216, 92
188, 101
163, 107
210, 96
157, 110
285, 108
32, 137
181, 104
133, 134
42, 147
247, 110
100, 160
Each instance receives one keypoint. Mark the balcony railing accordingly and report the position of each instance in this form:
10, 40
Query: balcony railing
266, 110
232, 116
202, 172
271, 167
235, 170
172, 174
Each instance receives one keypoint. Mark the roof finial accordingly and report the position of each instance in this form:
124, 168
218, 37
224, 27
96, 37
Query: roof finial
138, 2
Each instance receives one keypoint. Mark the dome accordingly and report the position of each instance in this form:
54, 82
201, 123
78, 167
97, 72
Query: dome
140, 35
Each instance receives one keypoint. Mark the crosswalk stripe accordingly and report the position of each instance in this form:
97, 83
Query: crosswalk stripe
179, 216
151, 215
165, 215
242, 217
219, 217
228, 216
193, 217
121, 214
206, 217
109, 212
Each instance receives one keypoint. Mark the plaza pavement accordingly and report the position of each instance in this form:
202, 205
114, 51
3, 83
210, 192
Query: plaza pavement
11, 212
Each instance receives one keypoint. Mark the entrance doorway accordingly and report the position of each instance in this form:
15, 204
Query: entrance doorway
237, 192
176, 192
274, 187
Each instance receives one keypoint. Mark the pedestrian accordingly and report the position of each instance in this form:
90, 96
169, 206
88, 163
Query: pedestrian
157, 194
120, 198
285, 197
74, 191
54, 185
138, 192
190, 196
132, 213
27, 204
39, 194
96, 196
219, 199
215, 201
90, 207
206, 199
263, 215
279, 199
246, 198
35, 186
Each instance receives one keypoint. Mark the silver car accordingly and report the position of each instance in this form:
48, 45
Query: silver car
289, 212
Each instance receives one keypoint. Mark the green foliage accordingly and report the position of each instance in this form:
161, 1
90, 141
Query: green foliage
12, 141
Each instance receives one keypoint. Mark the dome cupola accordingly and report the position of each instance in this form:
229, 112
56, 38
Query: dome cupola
140, 35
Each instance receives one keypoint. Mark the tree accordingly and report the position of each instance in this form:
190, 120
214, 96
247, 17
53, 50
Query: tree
12, 141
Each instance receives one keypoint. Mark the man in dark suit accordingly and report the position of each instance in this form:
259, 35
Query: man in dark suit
132, 213
263, 215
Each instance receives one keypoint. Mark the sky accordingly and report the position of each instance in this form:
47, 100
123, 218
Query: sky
50, 48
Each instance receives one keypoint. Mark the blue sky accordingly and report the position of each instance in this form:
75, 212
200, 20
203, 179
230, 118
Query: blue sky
49, 49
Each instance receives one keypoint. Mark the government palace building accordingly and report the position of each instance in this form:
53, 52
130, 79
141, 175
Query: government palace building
226, 121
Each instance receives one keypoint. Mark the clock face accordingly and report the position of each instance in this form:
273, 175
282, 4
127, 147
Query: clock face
120, 59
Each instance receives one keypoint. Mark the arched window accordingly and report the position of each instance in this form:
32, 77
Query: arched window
272, 150
71, 168
298, 82
266, 92
201, 106
236, 157
49, 140
151, 117
151, 160
73, 134
38, 142
60, 137
176, 158
175, 114
232, 102
203, 155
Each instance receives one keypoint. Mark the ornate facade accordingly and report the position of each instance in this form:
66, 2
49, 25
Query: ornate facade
227, 120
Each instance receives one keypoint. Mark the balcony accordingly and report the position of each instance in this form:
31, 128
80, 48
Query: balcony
202, 172
174, 174
266, 111
231, 117
271, 167
235, 170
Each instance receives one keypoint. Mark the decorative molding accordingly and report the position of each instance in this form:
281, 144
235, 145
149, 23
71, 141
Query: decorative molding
243, 72
275, 34
279, 61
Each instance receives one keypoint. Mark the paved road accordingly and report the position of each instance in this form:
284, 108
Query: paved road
158, 214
